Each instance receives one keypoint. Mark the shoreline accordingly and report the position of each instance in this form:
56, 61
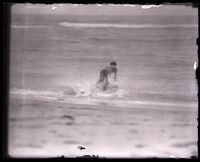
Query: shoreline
113, 104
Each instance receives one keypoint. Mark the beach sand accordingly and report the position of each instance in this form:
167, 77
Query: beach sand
52, 128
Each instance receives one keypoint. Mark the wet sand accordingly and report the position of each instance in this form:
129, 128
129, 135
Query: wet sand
44, 128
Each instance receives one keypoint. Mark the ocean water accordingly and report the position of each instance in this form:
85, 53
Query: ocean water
55, 61
54, 56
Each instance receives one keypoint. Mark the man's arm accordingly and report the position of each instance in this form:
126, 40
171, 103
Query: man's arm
115, 75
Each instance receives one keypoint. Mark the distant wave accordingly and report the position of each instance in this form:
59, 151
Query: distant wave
28, 26
107, 25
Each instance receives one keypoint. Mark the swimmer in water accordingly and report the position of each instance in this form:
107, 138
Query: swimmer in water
105, 72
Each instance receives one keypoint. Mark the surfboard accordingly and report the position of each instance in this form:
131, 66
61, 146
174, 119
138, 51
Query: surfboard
70, 91
104, 87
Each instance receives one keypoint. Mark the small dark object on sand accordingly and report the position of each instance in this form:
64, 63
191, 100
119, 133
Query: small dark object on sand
68, 116
81, 147
89, 156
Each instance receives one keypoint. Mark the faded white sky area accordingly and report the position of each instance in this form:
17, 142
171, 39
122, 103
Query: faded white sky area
105, 9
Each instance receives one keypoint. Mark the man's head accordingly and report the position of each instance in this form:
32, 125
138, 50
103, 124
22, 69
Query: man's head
113, 63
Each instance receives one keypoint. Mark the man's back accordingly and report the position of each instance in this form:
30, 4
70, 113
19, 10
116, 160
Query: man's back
110, 69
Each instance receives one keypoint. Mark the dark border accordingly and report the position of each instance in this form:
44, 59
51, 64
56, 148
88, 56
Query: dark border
5, 74
5, 30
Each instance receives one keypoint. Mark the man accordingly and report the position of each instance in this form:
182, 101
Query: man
107, 71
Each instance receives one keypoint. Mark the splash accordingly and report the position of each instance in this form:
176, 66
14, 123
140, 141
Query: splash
113, 91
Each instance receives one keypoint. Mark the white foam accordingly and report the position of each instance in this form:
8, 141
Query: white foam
109, 25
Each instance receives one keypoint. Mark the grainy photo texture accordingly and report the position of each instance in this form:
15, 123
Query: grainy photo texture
111, 81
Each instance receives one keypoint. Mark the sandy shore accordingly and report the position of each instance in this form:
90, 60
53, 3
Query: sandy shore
45, 128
